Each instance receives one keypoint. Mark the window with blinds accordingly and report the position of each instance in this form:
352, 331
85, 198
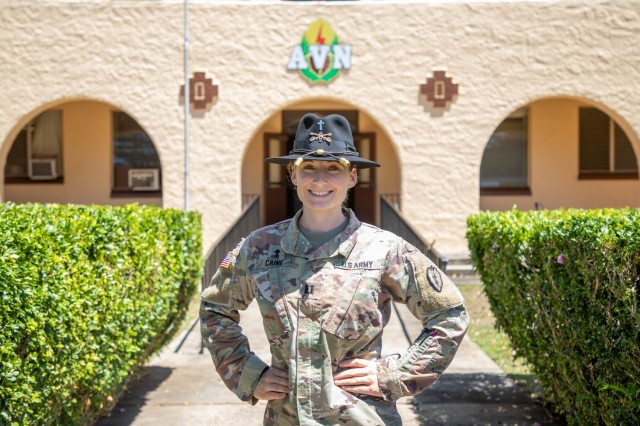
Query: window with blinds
505, 159
604, 146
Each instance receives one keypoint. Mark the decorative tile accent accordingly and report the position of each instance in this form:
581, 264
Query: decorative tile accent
201, 92
439, 89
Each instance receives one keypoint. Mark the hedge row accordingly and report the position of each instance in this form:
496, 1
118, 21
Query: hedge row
88, 293
564, 286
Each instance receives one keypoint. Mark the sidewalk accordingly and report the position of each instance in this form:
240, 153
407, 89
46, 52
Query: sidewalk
180, 388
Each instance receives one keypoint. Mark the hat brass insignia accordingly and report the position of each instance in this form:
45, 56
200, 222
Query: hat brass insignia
321, 137
434, 278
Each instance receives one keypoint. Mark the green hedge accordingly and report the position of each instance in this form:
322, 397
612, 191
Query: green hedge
564, 285
88, 293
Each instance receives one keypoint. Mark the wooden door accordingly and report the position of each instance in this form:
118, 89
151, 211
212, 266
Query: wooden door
280, 200
275, 179
363, 196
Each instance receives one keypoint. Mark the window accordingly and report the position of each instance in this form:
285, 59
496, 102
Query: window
36, 153
605, 150
136, 165
504, 167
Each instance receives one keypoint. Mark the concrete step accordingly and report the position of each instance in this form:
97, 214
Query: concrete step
466, 260
461, 270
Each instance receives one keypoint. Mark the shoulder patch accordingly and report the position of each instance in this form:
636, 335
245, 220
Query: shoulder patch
231, 256
434, 278
227, 260
435, 289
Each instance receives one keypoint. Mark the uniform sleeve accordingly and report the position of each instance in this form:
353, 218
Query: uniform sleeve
230, 291
433, 298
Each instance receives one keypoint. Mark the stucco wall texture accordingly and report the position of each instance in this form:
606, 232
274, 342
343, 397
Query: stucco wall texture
503, 54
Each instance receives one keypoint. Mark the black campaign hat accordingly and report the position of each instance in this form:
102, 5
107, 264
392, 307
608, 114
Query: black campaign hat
324, 139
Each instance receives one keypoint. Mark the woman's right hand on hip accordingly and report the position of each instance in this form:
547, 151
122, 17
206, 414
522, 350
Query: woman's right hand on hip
273, 384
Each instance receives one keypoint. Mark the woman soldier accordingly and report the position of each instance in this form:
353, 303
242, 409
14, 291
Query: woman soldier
324, 282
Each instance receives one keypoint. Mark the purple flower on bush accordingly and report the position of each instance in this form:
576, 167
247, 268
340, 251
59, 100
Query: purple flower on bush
561, 258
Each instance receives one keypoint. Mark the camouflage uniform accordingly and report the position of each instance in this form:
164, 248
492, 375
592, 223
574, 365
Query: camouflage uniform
326, 305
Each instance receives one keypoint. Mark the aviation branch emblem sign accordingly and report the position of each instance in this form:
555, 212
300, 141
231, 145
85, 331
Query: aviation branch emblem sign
320, 57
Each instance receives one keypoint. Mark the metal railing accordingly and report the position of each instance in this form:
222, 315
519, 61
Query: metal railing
247, 200
393, 198
392, 220
248, 221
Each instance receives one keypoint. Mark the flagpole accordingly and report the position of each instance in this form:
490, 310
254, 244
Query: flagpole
186, 105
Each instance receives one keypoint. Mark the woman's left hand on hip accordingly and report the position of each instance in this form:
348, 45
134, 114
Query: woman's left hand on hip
360, 376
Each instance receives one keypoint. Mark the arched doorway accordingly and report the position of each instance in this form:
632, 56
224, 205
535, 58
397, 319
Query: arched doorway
275, 138
84, 152
560, 153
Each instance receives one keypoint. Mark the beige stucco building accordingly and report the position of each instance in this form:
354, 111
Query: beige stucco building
547, 112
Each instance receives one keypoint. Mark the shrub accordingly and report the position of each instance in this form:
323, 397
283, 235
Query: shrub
564, 286
88, 294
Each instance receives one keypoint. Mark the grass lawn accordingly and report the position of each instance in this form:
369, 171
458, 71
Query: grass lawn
493, 342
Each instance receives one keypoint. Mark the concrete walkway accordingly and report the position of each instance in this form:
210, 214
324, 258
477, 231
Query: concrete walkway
180, 387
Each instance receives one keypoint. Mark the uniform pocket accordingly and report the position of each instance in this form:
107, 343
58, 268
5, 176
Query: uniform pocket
356, 309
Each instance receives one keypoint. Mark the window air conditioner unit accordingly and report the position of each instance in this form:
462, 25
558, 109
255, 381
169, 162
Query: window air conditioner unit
144, 179
42, 169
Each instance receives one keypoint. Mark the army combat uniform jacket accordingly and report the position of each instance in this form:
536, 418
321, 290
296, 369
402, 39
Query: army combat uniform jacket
324, 306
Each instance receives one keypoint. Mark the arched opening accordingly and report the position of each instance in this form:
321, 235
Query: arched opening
84, 152
560, 153
275, 138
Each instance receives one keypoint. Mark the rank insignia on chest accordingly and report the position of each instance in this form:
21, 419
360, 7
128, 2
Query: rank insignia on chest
434, 278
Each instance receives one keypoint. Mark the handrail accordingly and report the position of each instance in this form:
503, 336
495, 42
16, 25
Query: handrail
248, 221
392, 220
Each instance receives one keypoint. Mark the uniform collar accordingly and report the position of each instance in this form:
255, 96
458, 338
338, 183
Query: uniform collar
296, 244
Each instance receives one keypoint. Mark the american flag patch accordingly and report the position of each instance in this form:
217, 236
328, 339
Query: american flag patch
227, 260
230, 257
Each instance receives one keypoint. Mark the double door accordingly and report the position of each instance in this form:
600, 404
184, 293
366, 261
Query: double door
281, 201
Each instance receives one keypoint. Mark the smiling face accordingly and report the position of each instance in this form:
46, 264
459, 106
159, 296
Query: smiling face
322, 185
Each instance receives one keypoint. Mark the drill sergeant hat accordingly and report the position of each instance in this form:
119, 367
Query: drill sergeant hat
324, 139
